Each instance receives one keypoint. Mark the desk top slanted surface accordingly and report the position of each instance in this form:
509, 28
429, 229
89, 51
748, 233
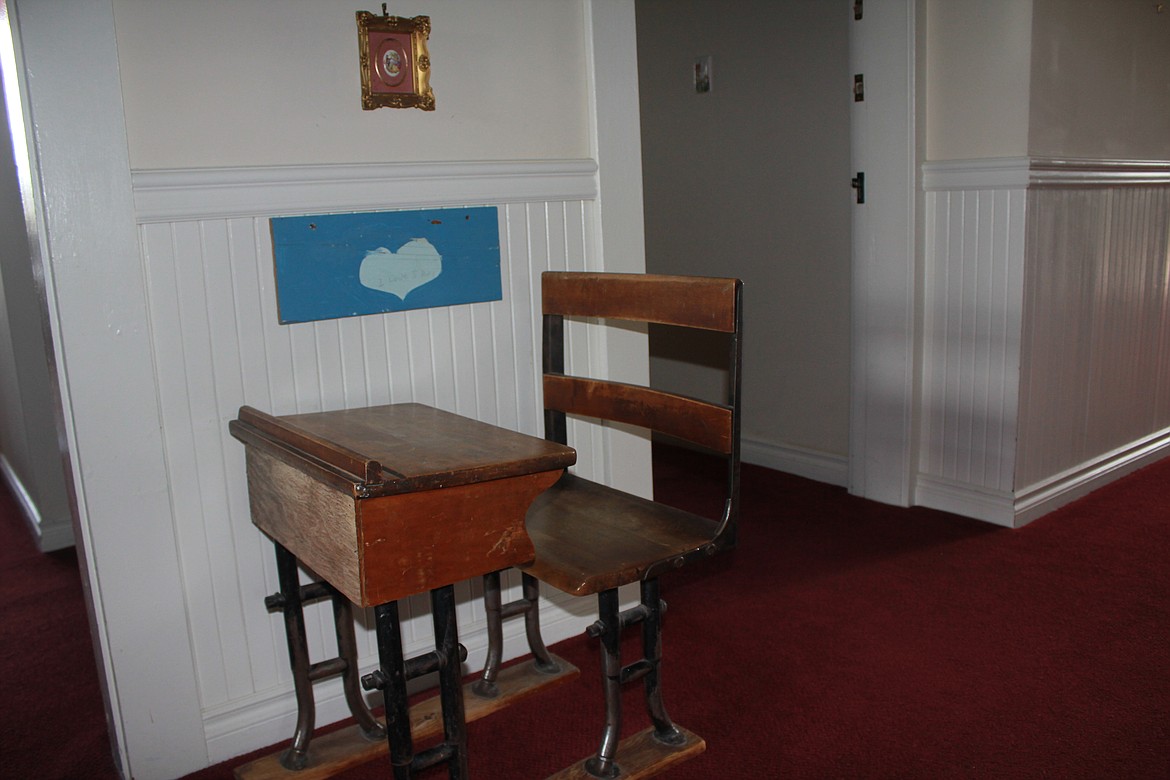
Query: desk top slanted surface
387, 501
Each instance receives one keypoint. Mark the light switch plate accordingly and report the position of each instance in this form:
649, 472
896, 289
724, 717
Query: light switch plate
703, 74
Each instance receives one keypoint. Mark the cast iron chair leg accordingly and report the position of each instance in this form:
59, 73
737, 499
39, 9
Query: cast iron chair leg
664, 729
531, 595
485, 686
609, 629
495, 612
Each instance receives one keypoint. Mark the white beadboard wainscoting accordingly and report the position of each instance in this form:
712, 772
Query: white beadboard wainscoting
207, 260
972, 283
1046, 331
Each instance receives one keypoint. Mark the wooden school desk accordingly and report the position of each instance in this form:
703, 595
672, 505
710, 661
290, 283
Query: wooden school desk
389, 501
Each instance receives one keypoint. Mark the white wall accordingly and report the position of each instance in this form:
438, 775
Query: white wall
977, 87
161, 302
275, 82
1050, 78
752, 180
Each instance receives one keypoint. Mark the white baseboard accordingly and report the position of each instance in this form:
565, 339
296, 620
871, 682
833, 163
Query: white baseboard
1027, 504
1044, 497
990, 506
819, 466
48, 535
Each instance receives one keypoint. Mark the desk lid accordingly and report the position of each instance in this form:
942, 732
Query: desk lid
382, 450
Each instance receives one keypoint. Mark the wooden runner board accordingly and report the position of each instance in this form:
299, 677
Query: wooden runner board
333, 753
641, 756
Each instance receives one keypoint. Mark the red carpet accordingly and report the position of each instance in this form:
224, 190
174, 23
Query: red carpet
52, 720
842, 639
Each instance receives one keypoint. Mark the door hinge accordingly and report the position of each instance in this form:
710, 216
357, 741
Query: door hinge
858, 11
858, 87
859, 185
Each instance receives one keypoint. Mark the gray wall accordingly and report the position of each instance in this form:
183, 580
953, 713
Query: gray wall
32, 460
752, 180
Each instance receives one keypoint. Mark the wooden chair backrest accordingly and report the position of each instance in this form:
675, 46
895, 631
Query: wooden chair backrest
691, 302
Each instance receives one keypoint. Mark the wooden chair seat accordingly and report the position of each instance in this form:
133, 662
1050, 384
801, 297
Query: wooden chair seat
591, 537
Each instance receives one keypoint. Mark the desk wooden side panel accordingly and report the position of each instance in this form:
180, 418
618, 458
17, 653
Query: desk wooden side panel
315, 521
413, 542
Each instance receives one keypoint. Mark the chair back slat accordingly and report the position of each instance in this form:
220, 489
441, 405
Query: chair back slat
689, 301
705, 303
699, 422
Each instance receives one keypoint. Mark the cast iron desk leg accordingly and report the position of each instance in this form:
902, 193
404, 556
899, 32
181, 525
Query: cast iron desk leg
392, 665
451, 655
395, 670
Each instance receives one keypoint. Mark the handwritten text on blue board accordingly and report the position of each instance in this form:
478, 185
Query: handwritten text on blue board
344, 265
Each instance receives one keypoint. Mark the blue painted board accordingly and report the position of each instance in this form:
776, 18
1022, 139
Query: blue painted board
345, 265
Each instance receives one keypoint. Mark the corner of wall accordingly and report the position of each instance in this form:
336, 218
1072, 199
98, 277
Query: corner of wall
51, 533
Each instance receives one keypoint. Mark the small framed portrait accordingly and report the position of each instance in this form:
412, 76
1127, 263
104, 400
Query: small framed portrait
395, 65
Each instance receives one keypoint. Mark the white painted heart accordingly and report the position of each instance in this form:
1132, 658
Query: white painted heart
398, 273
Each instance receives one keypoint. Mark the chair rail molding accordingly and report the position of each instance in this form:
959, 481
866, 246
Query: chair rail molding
1055, 172
222, 193
1033, 172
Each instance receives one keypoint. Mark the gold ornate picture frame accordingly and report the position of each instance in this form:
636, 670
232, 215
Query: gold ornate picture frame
395, 64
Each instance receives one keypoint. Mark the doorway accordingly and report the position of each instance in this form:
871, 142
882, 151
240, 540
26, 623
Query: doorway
751, 178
